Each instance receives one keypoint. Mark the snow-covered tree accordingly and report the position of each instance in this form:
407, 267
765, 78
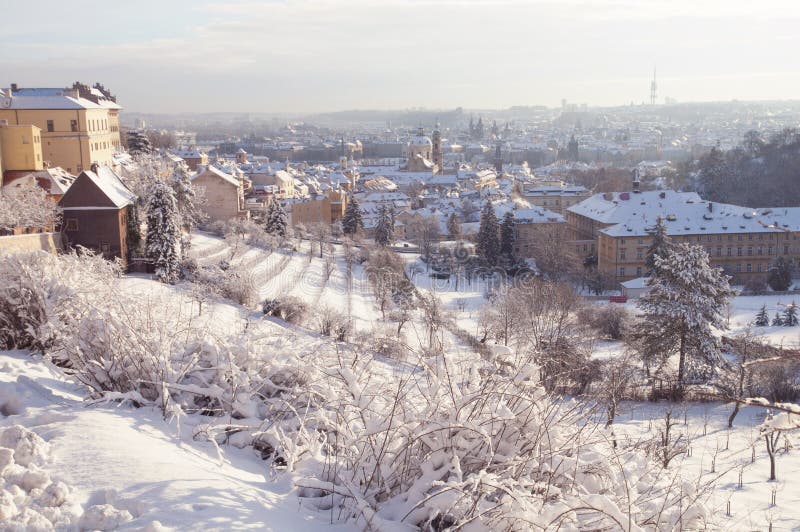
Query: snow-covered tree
384, 231
790, 315
777, 321
659, 247
687, 298
507, 239
186, 197
277, 221
762, 318
27, 208
488, 243
780, 275
453, 227
352, 220
138, 143
163, 242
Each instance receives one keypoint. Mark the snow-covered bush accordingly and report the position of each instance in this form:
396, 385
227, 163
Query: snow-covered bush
475, 450
331, 322
234, 283
43, 296
611, 321
27, 208
288, 308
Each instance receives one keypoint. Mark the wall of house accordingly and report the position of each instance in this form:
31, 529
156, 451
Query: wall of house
50, 242
102, 230
21, 147
741, 255
222, 199
79, 136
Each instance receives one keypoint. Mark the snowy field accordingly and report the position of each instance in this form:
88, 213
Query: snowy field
110, 465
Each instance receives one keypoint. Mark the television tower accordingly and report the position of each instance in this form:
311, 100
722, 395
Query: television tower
653, 87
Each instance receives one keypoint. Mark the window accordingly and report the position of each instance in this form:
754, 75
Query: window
749, 251
622, 272
719, 251
785, 250
73, 125
749, 268
639, 254
730, 251
738, 268
50, 126
769, 251
738, 252
638, 271
72, 224
622, 254
758, 268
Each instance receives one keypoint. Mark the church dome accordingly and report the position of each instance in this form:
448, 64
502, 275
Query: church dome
420, 140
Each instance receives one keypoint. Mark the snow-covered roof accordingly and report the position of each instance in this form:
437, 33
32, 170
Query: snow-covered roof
217, 172
634, 284
55, 98
616, 207
111, 185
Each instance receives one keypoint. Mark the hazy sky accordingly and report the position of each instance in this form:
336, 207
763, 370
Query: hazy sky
168, 55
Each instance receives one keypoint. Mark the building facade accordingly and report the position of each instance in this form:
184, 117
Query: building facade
617, 228
79, 125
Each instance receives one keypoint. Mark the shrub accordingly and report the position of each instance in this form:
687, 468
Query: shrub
330, 322
289, 308
612, 321
756, 285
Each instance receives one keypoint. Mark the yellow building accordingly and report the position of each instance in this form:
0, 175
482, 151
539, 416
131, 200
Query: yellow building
744, 242
326, 208
20, 148
79, 125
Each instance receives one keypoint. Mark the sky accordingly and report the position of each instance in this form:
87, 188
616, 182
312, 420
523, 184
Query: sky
328, 55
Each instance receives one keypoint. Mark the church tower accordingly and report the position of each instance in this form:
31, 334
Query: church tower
498, 160
437, 150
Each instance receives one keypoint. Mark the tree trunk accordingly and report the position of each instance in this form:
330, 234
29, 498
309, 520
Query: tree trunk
681, 361
733, 415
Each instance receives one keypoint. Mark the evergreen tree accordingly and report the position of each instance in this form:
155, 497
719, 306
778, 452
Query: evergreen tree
488, 244
352, 220
132, 227
384, 231
138, 143
277, 221
659, 247
186, 197
163, 241
790, 315
780, 275
453, 227
686, 299
507, 238
762, 318
777, 321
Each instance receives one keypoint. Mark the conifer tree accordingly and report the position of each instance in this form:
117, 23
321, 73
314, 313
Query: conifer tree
659, 247
352, 220
384, 231
277, 222
790, 315
507, 239
777, 321
780, 275
163, 241
686, 299
186, 197
138, 143
488, 244
453, 228
762, 318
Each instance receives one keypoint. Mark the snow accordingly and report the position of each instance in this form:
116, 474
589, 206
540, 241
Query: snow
127, 468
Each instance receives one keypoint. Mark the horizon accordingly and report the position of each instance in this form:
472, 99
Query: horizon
303, 57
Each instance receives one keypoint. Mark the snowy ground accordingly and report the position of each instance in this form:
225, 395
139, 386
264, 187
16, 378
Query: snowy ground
148, 472
131, 468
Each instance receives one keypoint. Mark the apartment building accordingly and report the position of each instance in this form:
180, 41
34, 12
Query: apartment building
79, 125
555, 197
744, 242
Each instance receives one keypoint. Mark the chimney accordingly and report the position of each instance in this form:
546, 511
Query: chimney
710, 207
95, 167
14, 87
636, 182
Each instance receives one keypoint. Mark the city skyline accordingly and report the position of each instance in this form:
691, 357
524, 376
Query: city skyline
327, 56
